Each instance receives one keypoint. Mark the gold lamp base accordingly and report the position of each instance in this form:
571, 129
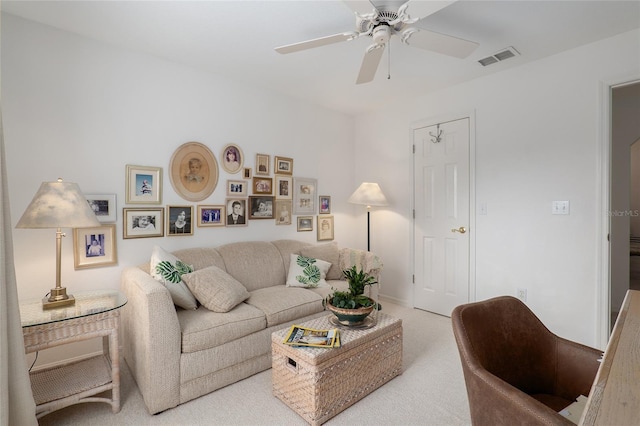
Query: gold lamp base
57, 299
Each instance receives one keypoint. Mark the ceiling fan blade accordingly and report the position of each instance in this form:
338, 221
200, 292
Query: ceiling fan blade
316, 42
370, 63
361, 7
422, 9
436, 42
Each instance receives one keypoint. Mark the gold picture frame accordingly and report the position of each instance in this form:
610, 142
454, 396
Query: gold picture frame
143, 185
305, 223
283, 187
283, 165
193, 171
211, 215
283, 212
179, 221
262, 164
142, 222
262, 185
325, 227
232, 158
94, 247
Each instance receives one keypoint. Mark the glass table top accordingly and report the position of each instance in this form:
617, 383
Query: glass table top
87, 303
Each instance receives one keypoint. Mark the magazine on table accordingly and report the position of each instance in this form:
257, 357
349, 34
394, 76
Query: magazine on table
309, 337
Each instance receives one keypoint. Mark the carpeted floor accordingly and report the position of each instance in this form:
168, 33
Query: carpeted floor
430, 391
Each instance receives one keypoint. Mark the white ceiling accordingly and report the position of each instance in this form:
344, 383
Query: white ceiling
236, 39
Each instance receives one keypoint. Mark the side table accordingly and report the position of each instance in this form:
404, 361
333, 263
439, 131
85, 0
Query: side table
95, 314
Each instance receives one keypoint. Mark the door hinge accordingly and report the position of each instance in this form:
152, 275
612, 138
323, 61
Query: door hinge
413, 279
414, 213
414, 148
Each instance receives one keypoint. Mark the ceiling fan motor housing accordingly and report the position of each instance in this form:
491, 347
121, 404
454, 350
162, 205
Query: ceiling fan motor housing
381, 34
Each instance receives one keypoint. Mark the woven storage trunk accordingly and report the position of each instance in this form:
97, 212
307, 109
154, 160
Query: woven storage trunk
319, 383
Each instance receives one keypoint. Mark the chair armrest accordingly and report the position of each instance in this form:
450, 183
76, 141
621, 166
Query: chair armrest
577, 368
496, 403
152, 342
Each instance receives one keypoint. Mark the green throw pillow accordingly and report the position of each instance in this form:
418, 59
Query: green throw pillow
307, 272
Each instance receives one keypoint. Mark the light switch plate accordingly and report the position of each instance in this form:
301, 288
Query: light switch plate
560, 207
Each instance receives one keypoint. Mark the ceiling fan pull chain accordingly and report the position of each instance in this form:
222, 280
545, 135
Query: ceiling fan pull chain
389, 62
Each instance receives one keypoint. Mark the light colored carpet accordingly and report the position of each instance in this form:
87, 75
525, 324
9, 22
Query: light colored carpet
430, 391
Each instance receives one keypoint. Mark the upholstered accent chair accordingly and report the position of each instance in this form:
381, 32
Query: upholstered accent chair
516, 371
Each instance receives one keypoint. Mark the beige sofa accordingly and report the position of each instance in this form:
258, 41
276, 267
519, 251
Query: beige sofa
177, 355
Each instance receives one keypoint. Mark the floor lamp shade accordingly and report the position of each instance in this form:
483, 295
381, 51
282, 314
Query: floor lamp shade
369, 194
58, 205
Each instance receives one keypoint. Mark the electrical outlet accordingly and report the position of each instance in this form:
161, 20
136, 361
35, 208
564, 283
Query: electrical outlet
521, 294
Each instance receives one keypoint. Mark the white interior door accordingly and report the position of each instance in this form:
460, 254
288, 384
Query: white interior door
441, 233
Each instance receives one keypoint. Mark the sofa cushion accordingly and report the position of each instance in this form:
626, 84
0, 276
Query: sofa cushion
256, 264
215, 289
204, 329
286, 247
201, 257
307, 272
283, 304
168, 269
328, 253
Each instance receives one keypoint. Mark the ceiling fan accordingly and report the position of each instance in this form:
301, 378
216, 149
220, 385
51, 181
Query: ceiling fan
390, 18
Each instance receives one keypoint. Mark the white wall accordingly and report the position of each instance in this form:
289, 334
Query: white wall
82, 110
537, 136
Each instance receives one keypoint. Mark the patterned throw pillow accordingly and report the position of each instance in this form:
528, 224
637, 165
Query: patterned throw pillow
168, 269
307, 272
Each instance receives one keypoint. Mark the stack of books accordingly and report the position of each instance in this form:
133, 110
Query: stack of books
309, 337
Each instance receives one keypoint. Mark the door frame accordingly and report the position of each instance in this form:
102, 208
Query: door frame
432, 121
603, 204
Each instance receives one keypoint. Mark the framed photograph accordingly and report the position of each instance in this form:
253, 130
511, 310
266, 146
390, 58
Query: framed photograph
283, 212
262, 185
179, 220
246, 173
232, 158
193, 171
209, 215
104, 206
304, 195
94, 247
283, 188
237, 188
143, 185
325, 227
305, 223
283, 165
261, 207
142, 223
236, 212
262, 164
324, 204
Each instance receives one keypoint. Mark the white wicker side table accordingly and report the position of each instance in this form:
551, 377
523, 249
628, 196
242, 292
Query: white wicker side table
95, 314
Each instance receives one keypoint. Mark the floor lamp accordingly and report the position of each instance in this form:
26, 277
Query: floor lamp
58, 205
368, 194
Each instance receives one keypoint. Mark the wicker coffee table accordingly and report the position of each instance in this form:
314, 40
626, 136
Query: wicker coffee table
319, 383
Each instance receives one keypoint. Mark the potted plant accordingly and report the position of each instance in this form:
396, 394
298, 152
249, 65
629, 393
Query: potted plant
352, 307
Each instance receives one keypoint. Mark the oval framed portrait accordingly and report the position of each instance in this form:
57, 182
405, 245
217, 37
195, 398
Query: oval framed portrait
232, 158
193, 171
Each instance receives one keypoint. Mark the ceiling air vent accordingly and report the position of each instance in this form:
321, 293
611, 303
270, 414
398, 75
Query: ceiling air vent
507, 53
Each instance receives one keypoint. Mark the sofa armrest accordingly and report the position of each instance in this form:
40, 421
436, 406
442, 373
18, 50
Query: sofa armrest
151, 341
365, 260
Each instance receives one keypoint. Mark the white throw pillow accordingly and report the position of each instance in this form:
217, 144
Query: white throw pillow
215, 289
168, 269
307, 272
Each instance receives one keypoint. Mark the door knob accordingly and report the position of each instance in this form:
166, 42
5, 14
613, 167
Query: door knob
461, 230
